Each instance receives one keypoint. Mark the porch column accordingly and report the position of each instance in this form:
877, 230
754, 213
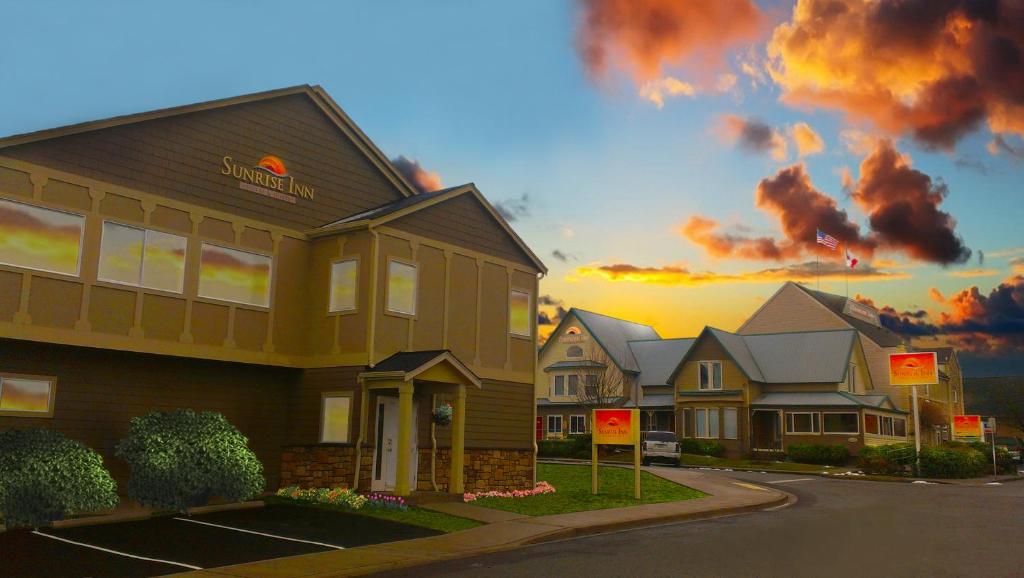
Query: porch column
364, 416
456, 483
402, 473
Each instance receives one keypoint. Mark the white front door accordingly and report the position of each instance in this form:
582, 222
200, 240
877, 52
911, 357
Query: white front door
385, 455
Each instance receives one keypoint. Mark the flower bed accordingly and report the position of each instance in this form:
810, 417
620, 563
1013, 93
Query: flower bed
541, 488
344, 497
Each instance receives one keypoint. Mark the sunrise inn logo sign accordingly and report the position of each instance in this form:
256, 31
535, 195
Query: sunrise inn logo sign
268, 177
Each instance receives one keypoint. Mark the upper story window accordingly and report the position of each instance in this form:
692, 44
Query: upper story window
234, 275
41, 239
574, 351
519, 313
26, 396
851, 379
401, 296
574, 385
142, 258
344, 283
710, 375
559, 385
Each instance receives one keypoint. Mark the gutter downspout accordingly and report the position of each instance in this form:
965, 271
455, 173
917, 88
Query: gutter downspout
533, 385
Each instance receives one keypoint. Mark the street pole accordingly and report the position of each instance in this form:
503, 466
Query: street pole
917, 432
992, 426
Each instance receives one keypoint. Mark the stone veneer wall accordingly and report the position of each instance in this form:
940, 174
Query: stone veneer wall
333, 466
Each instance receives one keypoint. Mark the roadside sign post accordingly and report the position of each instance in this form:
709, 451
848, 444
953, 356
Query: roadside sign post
914, 369
615, 427
991, 426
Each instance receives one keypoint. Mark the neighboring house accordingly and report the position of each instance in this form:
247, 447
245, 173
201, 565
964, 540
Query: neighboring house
260, 257
587, 362
796, 308
762, 393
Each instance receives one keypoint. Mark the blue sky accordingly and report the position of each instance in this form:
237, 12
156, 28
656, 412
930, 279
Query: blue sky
496, 93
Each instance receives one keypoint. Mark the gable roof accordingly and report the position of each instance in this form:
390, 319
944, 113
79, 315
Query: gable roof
315, 93
793, 357
882, 336
612, 334
388, 212
406, 365
824, 398
658, 358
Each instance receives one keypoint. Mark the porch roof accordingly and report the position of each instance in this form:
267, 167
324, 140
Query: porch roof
824, 399
407, 365
654, 400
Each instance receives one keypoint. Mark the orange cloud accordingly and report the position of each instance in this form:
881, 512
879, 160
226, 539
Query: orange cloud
681, 276
936, 295
656, 90
424, 180
642, 37
973, 273
935, 70
807, 141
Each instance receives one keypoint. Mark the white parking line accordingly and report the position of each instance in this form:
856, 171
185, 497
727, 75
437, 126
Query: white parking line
83, 544
261, 533
791, 480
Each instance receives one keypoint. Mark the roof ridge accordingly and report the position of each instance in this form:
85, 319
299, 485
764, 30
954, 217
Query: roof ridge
837, 330
605, 315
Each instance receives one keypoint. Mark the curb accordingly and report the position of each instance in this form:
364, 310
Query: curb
225, 507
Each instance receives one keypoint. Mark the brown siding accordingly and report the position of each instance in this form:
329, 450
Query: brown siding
463, 221
499, 415
180, 157
99, 391
304, 403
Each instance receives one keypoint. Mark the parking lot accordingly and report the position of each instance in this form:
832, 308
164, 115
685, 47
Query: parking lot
170, 544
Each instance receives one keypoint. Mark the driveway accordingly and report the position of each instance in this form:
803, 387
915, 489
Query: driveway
838, 528
171, 544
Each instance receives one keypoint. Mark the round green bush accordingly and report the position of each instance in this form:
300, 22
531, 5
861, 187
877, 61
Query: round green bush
953, 462
183, 458
45, 476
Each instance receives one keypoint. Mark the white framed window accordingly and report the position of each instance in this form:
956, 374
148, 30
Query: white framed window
555, 424
27, 395
335, 417
851, 379
233, 275
840, 423
730, 423
42, 239
519, 313
402, 279
577, 424
344, 286
142, 258
574, 385
559, 385
887, 425
710, 375
802, 422
705, 420
574, 352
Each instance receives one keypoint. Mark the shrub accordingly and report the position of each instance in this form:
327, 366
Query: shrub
45, 476
701, 447
554, 448
1004, 460
886, 459
342, 497
959, 461
835, 455
183, 458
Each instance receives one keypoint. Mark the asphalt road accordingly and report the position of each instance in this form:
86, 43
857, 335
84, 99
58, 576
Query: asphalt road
838, 528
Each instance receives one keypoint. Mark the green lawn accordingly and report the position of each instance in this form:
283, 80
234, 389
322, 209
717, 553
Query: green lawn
572, 491
414, 516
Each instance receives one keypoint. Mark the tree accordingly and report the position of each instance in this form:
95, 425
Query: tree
597, 381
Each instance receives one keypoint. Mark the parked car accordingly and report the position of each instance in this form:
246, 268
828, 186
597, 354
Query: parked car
659, 445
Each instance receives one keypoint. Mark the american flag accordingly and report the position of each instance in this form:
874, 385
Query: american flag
827, 240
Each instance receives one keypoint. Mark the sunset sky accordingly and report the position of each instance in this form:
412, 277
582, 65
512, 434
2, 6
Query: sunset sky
672, 174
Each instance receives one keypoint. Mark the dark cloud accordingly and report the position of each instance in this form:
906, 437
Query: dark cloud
643, 36
903, 208
998, 145
753, 136
552, 318
933, 69
514, 209
907, 323
562, 255
424, 180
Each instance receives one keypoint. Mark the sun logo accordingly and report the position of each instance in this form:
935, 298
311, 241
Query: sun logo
272, 164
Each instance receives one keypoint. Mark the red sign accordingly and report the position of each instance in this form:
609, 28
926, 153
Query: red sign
540, 428
967, 427
613, 426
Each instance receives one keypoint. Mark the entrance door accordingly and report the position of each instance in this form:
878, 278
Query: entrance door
767, 430
385, 455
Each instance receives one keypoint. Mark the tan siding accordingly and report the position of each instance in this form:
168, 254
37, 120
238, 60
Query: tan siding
462, 311
463, 221
494, 316
180, 157
791, 310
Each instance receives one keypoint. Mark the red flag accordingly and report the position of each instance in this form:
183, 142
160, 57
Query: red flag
851, 261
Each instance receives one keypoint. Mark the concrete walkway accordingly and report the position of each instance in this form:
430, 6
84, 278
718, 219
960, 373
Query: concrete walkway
725, 497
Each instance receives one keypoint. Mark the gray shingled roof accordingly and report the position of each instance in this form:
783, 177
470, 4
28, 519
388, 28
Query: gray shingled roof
574, 364
654, 400
823, 399
614, 336
795, 357
837, 304
388, 208
657, 359
820, 356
